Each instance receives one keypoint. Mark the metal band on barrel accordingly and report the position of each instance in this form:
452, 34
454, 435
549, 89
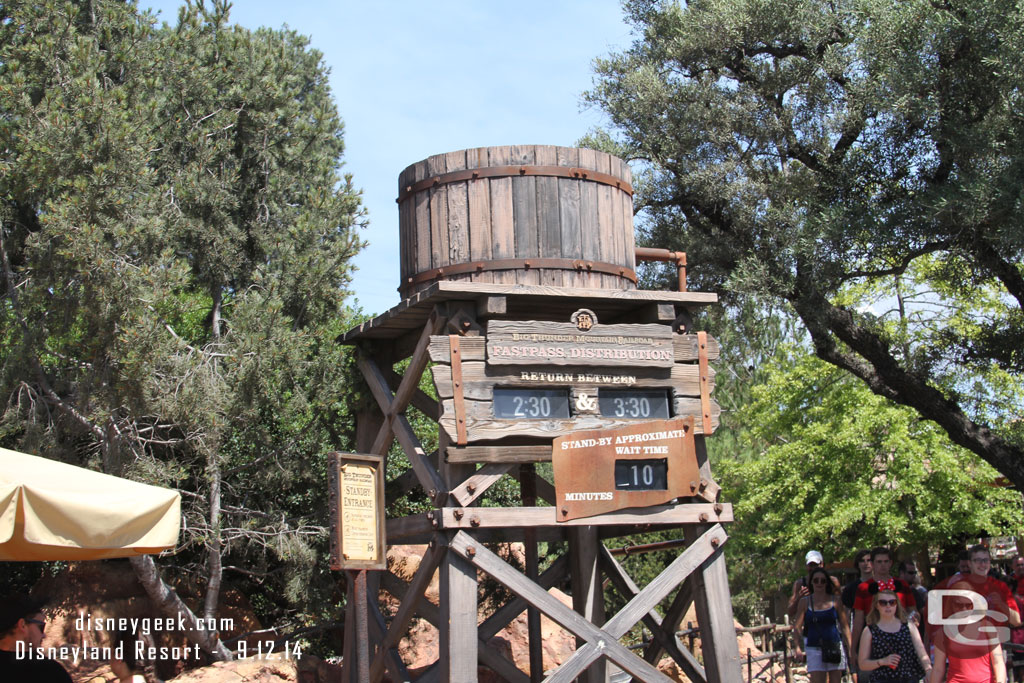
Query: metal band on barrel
511, 172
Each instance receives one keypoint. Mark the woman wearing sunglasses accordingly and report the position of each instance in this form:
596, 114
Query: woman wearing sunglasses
821, 618
891, 651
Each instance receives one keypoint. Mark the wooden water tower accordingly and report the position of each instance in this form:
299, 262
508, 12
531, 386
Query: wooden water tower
519, 286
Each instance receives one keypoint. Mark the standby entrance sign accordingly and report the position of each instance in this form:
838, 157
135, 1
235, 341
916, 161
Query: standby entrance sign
602, 470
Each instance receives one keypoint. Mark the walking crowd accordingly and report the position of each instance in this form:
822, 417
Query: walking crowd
886, 626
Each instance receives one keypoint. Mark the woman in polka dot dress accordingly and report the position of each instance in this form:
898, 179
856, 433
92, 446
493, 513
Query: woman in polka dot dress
891, 651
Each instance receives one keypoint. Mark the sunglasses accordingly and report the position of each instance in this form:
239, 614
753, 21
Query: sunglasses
887, 603
41, 624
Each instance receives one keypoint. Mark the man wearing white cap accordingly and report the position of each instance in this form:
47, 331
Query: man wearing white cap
802, 587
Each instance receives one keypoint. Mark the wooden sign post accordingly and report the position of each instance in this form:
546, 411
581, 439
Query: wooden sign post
518, 264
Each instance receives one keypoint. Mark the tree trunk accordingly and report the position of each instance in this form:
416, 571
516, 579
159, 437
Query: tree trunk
164, 597
216, 545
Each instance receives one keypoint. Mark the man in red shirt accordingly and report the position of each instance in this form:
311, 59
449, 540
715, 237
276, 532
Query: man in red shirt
881, 578
995, 592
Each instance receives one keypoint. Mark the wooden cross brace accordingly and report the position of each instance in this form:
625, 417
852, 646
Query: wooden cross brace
600, 642
396, 425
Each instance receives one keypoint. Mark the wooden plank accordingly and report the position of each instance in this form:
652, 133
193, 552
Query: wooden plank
436, 166
552, 576
407, 608
421, 217
481, 425
569, 214
670, 624
533, 594
479, 197
458, 651
400, 529
477, 484
485, 518
646, 600
587, 599
503, 234
479, 379
420, 400
486, 306
607, 212
428, 611
663, 638
458, 211
684, 346
420, 357
714, 614
524, 206
590, 234
548, 212
408, 313
510, 455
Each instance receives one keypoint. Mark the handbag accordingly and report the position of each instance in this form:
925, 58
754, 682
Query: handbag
831, 652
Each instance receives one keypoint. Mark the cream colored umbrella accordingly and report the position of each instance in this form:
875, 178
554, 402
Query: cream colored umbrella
53, 511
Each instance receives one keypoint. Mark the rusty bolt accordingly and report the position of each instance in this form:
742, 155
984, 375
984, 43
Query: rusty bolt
434, 523
703, 484
703, 517
471, 551
565, 511
715, 542
458, 514
430, 514
466, 324
693, 486
474, 521
470, 488
432, 494
718, 508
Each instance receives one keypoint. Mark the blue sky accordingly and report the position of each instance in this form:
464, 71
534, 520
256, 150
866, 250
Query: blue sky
415, 79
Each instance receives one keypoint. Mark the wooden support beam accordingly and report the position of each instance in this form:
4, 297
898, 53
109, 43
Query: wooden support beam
587, 598
513, 455
478, 483
483, 518
420, 581
420, 400
406, 481
458, 648
665, 638
487, 306
646, 600
393, 661
714, 614
463, 544
553, 575
489, 656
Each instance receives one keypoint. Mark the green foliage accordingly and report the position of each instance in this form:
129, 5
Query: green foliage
175, 233
841, 468
858, 163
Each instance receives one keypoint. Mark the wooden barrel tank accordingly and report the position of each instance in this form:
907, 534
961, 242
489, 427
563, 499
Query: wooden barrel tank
519, 214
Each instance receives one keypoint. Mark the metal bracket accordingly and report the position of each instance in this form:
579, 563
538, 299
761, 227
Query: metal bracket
705, 397
514, 171
458, 399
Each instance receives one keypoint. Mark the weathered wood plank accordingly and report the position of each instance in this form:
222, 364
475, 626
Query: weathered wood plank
569, 214
484, 559
481, 425
407, 608
479, 193
484, 518
436, 166
503, 235
524, 205
458, 651
421, 214
511, 455
665, 638
684, 347
458, 211
479, 379
477, 484
645, 601
587, 599
714, 614
549, 232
